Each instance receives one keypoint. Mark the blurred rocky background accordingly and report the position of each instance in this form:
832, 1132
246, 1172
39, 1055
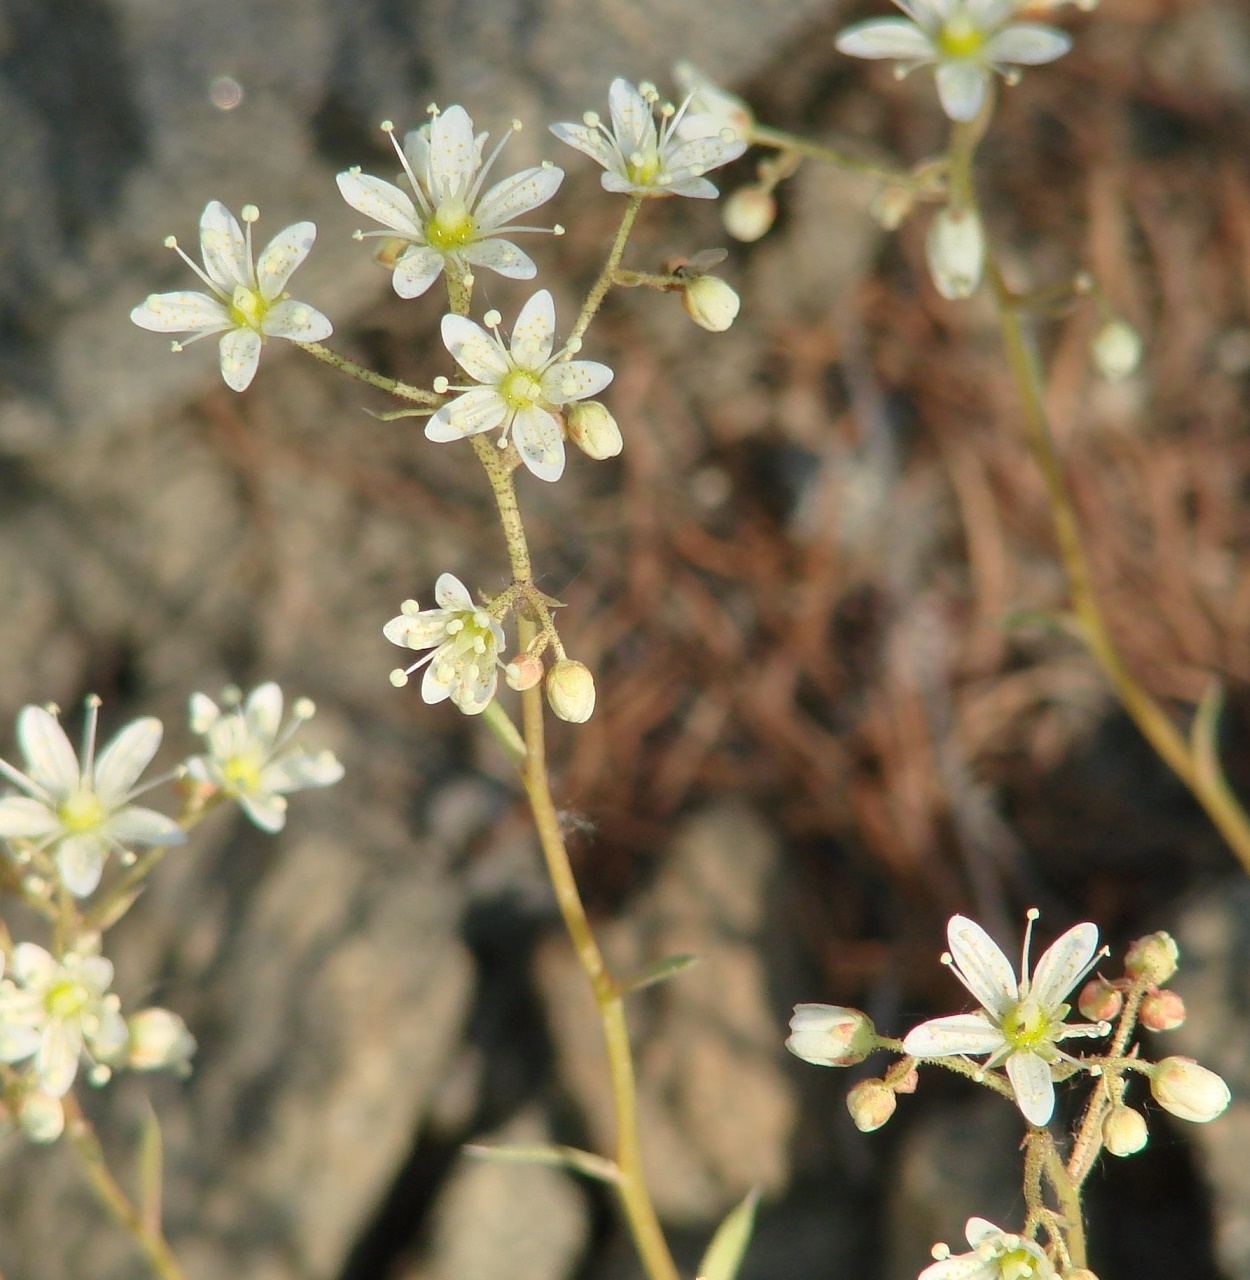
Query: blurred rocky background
810, 590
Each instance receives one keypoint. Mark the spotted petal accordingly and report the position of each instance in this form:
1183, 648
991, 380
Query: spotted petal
478, 409
540, 442
224, 247
1062, 964
588, 141
453, 154
575, 380
517, 195
1032, 1084
1028, 43
985, 971
281, 256
184, 311
240, 356
971, 1033
501, 256
417, 269
383, 202
632, 120
296, 321
533, 334
474, 350
452, 595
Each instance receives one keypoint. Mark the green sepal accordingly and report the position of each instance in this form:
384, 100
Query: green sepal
725, 1253
660, 971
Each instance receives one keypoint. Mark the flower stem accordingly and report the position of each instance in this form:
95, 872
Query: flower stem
149, 1240
1153, 721
779, 140
361, 374
599, 290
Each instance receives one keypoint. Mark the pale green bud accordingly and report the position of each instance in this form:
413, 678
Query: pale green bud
749, 213
593, 429
1116, 350
710, 303
1124, 1131
955, 248
571, 691
1189, 1091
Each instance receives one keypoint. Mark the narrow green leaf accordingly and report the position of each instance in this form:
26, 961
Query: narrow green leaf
395, 414
1203, 741
660, 971
549, 1153
151, 1172
729, 1244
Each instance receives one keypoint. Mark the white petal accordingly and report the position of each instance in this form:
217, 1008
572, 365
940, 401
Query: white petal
1032, 1084
886, 38
540, 442
240, 354
986, 972
416, 269
961, 87
474, 696
300, 770
574, 380
281, 256
224, 247
501, 256
417, 630
692, 188
56, 1063
969, 1033
184, 312
296, 321
137, 825
978, 1229
33, 966
268, 812
480, 409
632, 120
453, 154
700, 154
204, 713
22, 816
80, 863
383, 202
17, 1042
1029, 43
118, 766
263, 711
452, 595
110, 1037
434, 688
1062, 963
533, 334
588, 141
963, 1266
50, 760
474, 350
516, 195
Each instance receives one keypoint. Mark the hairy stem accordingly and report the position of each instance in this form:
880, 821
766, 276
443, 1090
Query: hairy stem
361, 374
599, 290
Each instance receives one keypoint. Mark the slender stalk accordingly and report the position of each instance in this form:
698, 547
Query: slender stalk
599, 290
763, 136
1068, 1194
1154, 722
149, 1240
361, 374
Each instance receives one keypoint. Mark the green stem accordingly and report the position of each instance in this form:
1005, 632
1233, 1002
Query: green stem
149, 1240
1068, 1193
778, 139
361, 374
599, 290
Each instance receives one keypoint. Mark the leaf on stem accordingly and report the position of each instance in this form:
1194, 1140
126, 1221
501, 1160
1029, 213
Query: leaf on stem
660, 971
584, 1162
725, 1253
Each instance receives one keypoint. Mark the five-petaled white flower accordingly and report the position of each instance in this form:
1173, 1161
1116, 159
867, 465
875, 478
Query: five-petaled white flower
56, 1009
465, 640
966, 39
245, 758
996, 1255
641, 159
79, 811
246, 304
1019, 1023
452, 220
521, 386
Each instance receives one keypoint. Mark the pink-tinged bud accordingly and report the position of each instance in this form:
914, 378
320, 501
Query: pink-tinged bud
1099, 1000
593, 429
749, 213
523, 672
710, 302
1187, 1090
159, 1040
871, 1103
1124, 1131
831, 1036
1162, 1011
907, 1083
571, 691
1153, 958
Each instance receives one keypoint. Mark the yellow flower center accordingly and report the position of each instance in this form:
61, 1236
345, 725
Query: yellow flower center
1019, 1264
81, 812
1025, 1026
451, 227
247, 307
641, 167
960, 38
240, 773
66, 998
520, 389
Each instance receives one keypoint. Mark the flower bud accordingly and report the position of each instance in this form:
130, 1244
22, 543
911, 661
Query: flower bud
158, 1040
1152, 957
593, 429
523, 672
1116, 350
891, 205
41, 1117
955, 248
1124, 1131
1162, 1011
909, 1082
1099, 1000
710, 302
571, 691
749, 213
831, 1036
1187, 1090
871, 1103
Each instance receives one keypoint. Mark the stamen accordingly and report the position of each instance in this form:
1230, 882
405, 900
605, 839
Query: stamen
171, 243
409, 608
250, 213
440, 385
93, 704
492, 319
427, 209
471, 198
591, 119
1029, 916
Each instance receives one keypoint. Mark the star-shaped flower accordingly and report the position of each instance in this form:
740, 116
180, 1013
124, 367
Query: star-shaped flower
640, 158
1018, 1024
56, 1009
465, 640
964, 39
79, 811
452, 221
996, 1255
245, 304
521, 386
246, 758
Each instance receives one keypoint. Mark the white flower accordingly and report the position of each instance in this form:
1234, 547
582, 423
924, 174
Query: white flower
711, 109
79, 811
966, 39
245, 756
452, 220
521, 386
1018, 1023
245, 304
465, 641
996, 1255
645, 160
56, 1010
